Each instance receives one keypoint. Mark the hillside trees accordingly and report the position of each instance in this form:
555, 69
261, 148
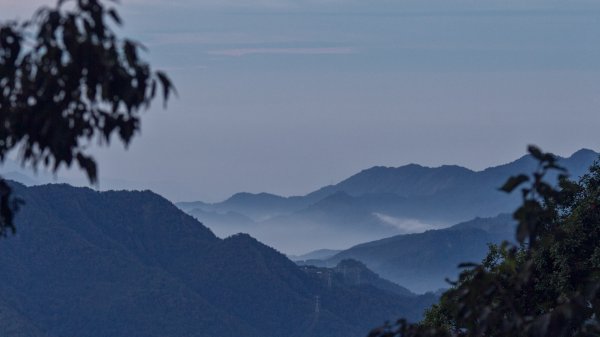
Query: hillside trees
66, 78
547, 285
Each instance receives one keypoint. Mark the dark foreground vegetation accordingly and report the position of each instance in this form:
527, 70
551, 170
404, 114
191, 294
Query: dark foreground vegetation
547, 285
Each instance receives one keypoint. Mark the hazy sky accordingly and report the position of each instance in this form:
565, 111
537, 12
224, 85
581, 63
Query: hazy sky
286, 96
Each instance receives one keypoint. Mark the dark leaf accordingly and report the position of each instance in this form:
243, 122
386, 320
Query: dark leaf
89, 166
535, 152
115, 16
166, 84
514, 182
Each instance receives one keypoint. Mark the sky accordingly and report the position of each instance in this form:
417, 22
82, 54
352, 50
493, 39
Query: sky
285, 96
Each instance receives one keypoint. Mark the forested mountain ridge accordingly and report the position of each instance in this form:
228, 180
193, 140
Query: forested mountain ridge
354, 272
95, 264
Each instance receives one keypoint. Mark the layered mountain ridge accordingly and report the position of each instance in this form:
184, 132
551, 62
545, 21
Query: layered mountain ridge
423, 261
375, 203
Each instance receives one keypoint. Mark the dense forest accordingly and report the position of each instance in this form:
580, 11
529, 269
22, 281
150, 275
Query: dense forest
83, 258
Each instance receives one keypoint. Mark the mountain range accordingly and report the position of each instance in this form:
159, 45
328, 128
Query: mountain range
423, 261
373, 204
130, 263
94, 264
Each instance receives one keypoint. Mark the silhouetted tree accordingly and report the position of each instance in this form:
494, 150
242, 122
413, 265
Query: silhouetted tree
547, 285
66, 78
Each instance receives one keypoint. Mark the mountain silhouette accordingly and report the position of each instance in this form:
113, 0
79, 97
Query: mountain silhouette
94, 264
376, 203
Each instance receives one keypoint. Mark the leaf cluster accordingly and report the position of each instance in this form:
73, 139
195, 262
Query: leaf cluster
66, 78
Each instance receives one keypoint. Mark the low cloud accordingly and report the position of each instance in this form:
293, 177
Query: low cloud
239, 52
212, 38
405, 226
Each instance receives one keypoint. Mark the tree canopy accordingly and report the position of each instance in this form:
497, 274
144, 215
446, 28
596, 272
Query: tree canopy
546, 285
67, 78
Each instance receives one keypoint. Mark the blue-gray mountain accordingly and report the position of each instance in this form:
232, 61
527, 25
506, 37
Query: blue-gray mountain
354, 272
96, 264
422, 262
373, 204
319, 254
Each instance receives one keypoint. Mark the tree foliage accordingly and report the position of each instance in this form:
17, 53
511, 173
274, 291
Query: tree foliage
546, 285
66, 78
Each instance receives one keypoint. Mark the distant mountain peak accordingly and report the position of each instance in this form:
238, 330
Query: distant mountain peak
378, 169
241, 240
584, 151
336, 198
584, 154
241, 237
454, 167
245, 196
